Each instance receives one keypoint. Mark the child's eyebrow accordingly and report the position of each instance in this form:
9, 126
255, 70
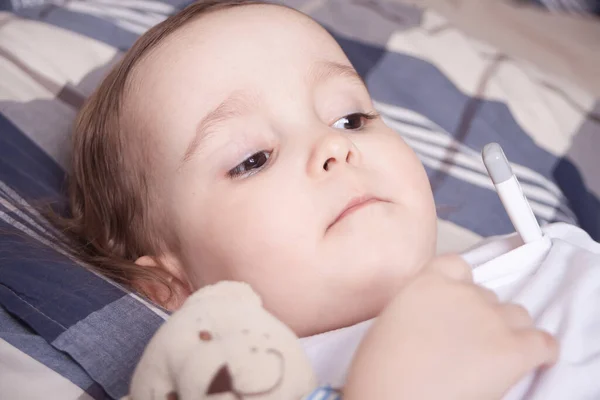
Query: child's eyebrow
239, 103
235, 105
325, 69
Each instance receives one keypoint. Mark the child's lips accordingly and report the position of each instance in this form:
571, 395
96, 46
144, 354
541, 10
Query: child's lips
354, 205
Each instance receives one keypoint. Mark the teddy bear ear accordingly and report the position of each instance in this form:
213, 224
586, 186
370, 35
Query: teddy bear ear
221, 383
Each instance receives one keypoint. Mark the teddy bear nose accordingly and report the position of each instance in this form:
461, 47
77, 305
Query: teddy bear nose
221, 383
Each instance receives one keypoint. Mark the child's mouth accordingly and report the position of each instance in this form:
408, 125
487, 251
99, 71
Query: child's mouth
354, 205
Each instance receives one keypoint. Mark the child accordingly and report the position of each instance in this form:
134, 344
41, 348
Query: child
236, 142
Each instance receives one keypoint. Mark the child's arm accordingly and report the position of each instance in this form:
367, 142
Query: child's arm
445, 338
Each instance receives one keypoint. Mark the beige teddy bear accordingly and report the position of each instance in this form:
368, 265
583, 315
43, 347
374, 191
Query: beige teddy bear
223, 345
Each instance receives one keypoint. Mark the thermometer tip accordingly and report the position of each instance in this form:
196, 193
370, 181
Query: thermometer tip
496, 163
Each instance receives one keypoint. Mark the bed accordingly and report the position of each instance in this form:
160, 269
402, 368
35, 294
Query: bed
446, 92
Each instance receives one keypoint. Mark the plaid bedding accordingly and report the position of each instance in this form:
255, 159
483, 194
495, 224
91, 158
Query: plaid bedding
574, 6
445, 93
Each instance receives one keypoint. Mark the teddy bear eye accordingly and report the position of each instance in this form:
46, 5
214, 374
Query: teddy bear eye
172, 396
205, 336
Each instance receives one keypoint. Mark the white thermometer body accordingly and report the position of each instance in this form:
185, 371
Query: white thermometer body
510, 193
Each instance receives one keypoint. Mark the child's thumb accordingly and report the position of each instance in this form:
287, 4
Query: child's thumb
541, 348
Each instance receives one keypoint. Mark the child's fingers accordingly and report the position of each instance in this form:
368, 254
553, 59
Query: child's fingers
452, 266
516, 316
488, 295
539, 347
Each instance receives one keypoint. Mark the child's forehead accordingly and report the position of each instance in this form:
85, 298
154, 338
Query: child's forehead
244, 21
239, 43
266, 25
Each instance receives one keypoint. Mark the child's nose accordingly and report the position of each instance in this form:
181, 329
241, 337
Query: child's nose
332, 151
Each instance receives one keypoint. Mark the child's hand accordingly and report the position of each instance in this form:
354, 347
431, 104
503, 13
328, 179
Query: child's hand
443, 337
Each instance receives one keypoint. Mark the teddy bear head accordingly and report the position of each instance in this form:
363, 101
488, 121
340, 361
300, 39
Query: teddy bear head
223, 345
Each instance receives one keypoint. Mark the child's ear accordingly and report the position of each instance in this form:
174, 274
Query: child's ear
177, 290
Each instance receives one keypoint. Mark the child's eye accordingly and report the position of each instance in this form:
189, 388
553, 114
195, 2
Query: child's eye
250, 165
354, 122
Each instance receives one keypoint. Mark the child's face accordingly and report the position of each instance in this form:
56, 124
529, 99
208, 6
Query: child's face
253, 118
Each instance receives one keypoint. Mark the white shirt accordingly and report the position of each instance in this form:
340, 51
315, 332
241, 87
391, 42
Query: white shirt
556, 278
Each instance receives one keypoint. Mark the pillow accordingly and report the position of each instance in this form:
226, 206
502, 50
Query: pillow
80, 327
89, 330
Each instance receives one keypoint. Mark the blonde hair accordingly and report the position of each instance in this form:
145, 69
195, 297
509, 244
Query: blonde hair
110, 224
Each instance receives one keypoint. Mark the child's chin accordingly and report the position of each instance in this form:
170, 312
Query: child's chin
376, 267
383, 244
